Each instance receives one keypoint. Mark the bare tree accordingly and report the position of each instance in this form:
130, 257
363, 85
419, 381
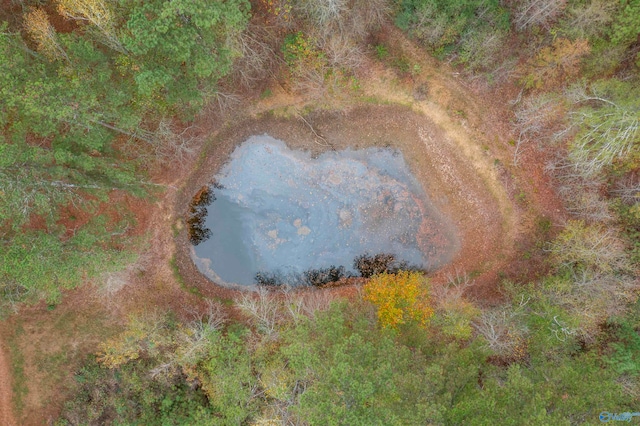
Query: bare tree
611, 131
582, 195
306, 303
592, 18
452, 292
98, 13
263, 308
628, 189
171, 144
342, 51
165, 144
429, 27
193, 339
501, 329
260, 57
533, 117
191, 342
530, 13
212, 318
586, 203
481, 49
11, 294
322, 13
589, 298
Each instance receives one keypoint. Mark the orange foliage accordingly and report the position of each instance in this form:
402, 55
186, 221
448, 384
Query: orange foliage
553, 64
400, 298
37, 25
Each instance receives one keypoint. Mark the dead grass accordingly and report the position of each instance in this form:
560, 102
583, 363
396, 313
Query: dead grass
46, 346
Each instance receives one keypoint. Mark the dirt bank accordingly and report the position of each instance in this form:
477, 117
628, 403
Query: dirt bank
6, 413
455, 141
462, 189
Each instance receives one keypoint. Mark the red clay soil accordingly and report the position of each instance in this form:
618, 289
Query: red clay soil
6, 413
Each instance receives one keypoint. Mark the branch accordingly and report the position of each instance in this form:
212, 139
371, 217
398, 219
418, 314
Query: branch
314, 132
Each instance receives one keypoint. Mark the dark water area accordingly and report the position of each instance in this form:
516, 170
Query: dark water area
277, 212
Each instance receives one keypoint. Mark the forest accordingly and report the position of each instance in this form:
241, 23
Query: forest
114, 112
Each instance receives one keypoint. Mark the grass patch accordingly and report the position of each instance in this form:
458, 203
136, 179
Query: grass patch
183, 284
173, 263
19, 385
53, 364
46, 348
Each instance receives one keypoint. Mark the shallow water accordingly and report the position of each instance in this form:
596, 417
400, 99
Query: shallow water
281, 210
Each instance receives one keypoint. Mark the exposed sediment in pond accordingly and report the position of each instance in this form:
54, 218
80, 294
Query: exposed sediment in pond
284, 211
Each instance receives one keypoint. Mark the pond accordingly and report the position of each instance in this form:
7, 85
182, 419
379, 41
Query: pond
276, 211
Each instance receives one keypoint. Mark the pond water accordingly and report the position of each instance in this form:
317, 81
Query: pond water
280, 210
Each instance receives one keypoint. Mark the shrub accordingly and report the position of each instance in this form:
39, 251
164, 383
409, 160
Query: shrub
323, 276
400, 298
198, 232
589, 247
269, 279
369, 265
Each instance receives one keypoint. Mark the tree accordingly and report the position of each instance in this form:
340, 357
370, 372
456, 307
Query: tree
595, 279
554, 64
608, 123
349, 371
175, 46
78, 120
227, 378
146, 335
626, 24
532, 13
590, 19
400, 298
551, 391
440, 24
37, 25
589, 247
98, 13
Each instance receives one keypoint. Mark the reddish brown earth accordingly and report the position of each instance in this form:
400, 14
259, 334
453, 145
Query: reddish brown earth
6, 412
455, 139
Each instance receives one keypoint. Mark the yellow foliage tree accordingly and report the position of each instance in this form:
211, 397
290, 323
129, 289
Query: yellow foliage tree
95, 12
36, 23
400, 298
144, 334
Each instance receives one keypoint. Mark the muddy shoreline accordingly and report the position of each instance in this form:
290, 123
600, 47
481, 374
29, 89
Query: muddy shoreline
450, 182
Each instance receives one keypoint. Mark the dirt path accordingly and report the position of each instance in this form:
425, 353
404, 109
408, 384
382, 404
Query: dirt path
6, 410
